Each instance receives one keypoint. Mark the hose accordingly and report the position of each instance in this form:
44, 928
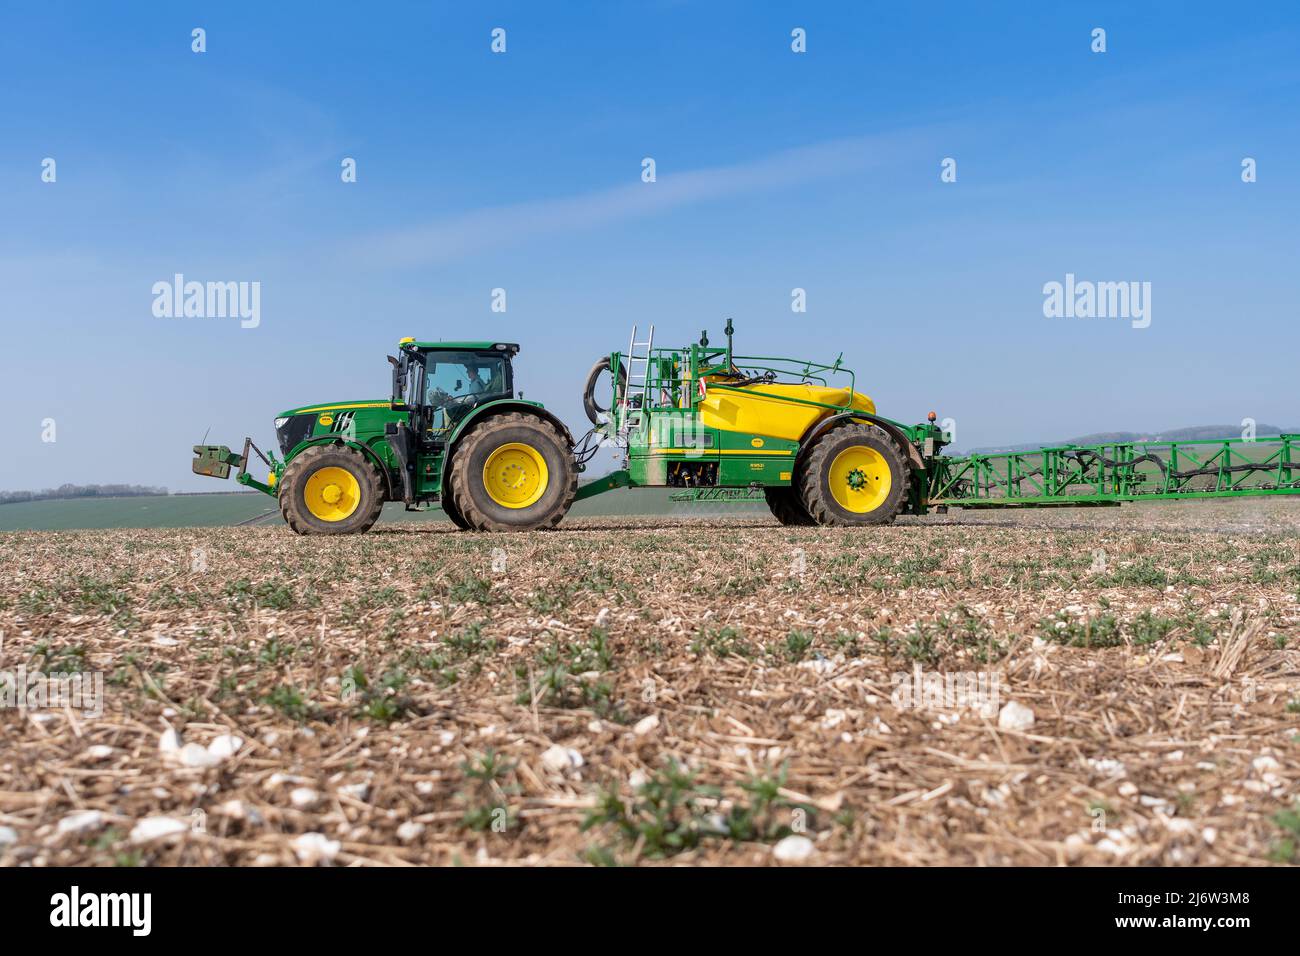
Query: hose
589, 405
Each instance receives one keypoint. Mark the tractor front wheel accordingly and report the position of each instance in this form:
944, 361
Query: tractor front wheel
514, 472
854, 475
331, 489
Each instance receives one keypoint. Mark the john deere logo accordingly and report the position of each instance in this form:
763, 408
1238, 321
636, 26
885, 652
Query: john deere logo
327, 420
756, 442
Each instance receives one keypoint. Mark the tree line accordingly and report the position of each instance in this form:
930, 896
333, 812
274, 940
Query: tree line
80, 491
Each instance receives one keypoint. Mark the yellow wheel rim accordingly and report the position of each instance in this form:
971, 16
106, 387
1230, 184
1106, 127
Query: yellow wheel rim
515, 475
332, 494
860, 479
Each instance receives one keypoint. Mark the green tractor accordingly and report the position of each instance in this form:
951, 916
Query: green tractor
710, 424
452, 432
714, 425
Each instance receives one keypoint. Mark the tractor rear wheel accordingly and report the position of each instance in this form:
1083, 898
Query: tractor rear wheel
452, 512
331, 489
854, 475
786, 507
513, 472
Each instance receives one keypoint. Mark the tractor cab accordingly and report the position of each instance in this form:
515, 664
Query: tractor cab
442, 382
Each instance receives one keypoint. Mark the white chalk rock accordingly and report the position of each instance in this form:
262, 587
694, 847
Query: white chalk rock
304, 798
558, 759
1075, 845
226, 745
646, 725
794, 849
169, 743
1108, 766
409, 831
81, 822
154, 828
278, 779
1015, 717
196, 755
235, 809
313, 848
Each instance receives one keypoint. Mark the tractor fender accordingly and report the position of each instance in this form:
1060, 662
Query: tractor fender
365, 450
914, 459
489, 409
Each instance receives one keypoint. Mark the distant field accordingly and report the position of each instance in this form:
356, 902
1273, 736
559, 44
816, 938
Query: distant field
222, 511
163, 511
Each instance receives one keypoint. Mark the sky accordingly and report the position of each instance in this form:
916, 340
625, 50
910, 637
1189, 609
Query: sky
522, 170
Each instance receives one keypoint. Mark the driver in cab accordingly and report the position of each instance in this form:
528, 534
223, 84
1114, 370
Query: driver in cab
477, 384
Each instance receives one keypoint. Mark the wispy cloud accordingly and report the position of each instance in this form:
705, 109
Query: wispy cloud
496, 226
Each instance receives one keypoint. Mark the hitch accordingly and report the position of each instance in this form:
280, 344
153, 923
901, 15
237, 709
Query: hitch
215, 461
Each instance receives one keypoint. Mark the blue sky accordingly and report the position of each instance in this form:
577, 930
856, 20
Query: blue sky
522, 171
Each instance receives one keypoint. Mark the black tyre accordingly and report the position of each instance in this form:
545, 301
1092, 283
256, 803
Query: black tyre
513, 472
786, 507
451, 511
853, 475
331, 489
589, 404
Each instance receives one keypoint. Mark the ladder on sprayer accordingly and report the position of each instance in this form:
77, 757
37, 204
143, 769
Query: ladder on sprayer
638, 376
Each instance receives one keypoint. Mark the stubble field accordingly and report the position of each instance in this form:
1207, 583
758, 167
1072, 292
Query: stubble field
649, 691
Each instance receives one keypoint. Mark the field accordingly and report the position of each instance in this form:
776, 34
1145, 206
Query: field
715, 690
226, 510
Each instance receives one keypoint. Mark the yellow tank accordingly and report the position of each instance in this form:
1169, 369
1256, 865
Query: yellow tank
763, 409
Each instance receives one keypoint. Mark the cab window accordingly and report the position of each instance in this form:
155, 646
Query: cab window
459, 377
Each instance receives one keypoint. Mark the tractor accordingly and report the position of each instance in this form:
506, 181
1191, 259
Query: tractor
698, 419
453, 431
711, 425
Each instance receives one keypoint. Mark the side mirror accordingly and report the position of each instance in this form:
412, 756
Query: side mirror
399, 383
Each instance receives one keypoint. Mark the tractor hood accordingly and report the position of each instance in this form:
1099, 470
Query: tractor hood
361, 421
324, 407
